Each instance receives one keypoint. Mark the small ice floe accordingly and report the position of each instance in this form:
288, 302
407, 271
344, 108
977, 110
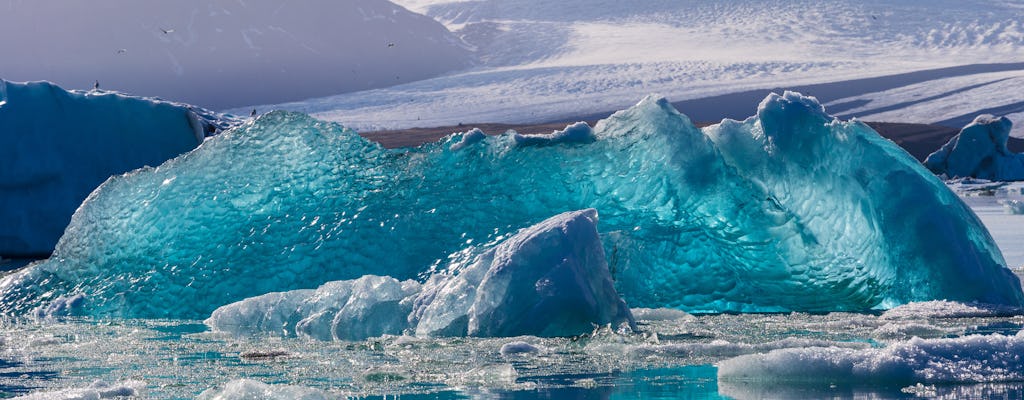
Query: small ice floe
97, 390
1013, 207
519, 348
242, 389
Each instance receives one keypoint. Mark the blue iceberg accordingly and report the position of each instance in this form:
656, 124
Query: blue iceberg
979, 151
550, 279
58, 146
787, 210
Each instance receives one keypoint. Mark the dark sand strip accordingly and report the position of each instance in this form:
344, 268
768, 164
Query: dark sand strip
917, 139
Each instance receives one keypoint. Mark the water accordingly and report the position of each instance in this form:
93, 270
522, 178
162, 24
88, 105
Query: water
674, 357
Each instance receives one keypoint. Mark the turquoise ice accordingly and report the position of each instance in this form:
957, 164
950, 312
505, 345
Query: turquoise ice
56, 146
549, 279
788, 210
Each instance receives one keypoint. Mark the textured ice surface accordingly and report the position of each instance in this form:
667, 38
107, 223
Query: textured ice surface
248, 389
973, 358
57, 146
340, 310
551, 279
97, 390
979, 151
788, 210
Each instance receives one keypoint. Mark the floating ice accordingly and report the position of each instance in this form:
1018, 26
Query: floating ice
518, 348
97, 390
549, 280
788, 210
247, 389
947, 309
974, 358
57, 146
979, 151
341, 310
1013, 207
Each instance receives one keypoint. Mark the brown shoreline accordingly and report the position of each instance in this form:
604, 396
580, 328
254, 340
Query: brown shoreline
917, 139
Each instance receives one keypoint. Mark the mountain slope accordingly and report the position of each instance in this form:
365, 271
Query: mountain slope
224, 53
542, 61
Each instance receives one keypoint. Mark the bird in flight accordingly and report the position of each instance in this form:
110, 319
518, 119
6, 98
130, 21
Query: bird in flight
166, 31
122, 51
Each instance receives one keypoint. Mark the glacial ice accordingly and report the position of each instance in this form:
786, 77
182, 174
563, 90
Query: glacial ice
245, 389
550, 279
357, 309
979, 151
58, 146
968, 359
787, 210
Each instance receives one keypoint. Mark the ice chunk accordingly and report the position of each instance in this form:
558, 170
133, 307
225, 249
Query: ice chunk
357, 309
947, 309
551, 279
518, 348
246, 389
1013, 207
969, 359
57, 146
579, 132
97, 390
979, 151
469, 138
787, 210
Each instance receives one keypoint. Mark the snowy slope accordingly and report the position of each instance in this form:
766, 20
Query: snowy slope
540, 61
223, 53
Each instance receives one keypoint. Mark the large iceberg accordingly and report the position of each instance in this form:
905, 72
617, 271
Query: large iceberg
57, 146
787, 210
550, 279
979, 151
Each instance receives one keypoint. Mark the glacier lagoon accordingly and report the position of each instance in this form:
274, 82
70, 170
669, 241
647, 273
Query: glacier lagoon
673, 354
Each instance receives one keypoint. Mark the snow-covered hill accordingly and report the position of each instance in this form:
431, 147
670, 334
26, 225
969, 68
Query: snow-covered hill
541, 61
223, 53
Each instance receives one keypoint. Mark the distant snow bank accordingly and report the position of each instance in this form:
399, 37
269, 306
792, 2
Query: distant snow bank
56, 146
541, 61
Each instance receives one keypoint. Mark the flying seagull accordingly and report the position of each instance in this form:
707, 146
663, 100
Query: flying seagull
166, 31
390, 44
122, 51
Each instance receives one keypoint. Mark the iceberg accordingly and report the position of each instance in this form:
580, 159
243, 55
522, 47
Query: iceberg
967, 359
550, 279
788, 210
58, 146
979, 151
